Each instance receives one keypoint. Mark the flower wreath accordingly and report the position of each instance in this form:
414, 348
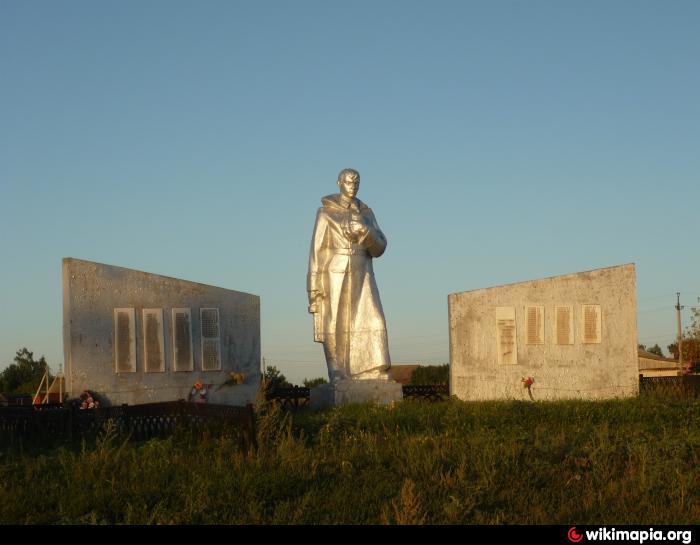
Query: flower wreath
527, 383
88, 400
199, 392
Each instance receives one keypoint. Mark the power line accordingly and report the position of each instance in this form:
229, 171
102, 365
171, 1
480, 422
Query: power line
655, 309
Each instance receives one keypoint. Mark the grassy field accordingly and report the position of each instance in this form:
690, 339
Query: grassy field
633, 461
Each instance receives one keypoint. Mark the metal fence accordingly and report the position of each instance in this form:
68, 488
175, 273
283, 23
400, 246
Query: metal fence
290, 398
685, 385
160, 419
429, 392
141, 422
299, 396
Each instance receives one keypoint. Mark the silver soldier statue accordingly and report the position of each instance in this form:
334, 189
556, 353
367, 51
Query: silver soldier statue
343, 295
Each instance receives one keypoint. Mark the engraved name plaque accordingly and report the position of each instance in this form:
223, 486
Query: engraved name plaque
153, 340
506, 336
564, 325
592, 327
211, 352
182, 339
124, 340
535, 324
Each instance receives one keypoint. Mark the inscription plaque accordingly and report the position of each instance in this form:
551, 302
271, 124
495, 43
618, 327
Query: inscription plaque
506, 336
153, 340
182, 339
211, 350
124, 340
592, 327
210, 355
210, 322
564, 325
535, 324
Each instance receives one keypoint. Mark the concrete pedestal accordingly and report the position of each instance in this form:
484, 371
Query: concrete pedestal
344, 392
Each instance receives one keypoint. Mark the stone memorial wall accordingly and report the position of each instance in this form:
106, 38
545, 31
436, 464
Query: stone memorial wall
575, 335
134, 337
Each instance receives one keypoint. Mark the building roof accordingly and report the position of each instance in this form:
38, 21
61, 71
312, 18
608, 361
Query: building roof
651, 356
647, 360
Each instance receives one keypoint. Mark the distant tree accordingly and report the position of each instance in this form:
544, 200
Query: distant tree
23, 376
673, 350
691, 352
431, 374
641, 347
693, 330
656, 349
310, 383
275, 379
691, 349
693, 334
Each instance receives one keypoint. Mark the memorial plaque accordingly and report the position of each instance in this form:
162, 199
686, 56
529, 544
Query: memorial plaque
211, 351
564, 325
153, 347
592, 327
535, 324
506, 336
210, 322
210, 355
124, 340
182, 339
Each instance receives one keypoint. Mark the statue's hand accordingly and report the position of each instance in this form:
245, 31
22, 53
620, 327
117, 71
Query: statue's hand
360, 230
355, 229
315, 297
348, 232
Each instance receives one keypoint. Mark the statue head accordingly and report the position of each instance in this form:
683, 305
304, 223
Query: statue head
349, 182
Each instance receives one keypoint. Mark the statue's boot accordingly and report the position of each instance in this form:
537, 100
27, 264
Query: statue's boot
335, 373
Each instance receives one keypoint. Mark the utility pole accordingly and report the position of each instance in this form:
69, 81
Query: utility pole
680, 331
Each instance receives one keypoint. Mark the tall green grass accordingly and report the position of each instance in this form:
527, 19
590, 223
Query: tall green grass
630, 461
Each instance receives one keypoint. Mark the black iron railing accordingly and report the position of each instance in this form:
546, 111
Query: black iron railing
430, 392
291, 397
686, 385
139, 421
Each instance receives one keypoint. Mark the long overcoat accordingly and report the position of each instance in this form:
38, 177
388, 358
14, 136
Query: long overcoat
350, 320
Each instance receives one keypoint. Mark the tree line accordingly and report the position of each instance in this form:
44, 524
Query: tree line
24, 375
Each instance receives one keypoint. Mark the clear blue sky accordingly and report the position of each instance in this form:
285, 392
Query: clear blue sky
498, 141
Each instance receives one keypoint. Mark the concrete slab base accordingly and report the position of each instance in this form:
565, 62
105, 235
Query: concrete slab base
344, 392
